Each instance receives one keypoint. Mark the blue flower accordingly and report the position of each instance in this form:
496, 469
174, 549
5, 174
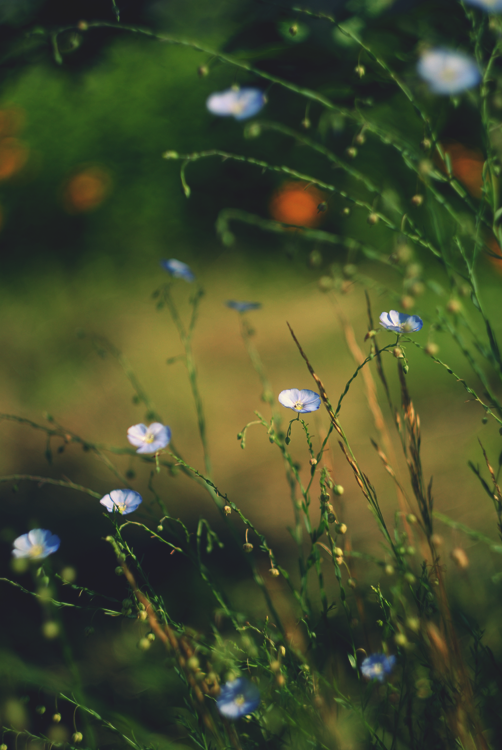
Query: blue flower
238, 103
36, 544
242, 306
378, 666
177, 269
238, 698
301, 401
492, 6
400, 322
447, 71
149, 439
123, 501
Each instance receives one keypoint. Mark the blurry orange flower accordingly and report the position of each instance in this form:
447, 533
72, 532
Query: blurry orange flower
87, 189
298, 203
466, 166
13, 157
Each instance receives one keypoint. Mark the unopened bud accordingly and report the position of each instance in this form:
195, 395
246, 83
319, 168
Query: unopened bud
411, 518
41, 710
409, 578
413, 623
341, 528
398, 352
77, 737
274, 572
193, 663
306, 123
253, 130
349, 270
437, 540
275, 665
360, 139
331, 518
425, 144
346, 211
227, 509
406, 368
360, 70
247, 547
293, 29
351, 152
454, 306
280, 680
50, 630
170, 155
282, 650
407, 302
56, 718
313, 461
151, 637
119, 571
417, 200
371, 334
160, 528
142, 616
82, 25
460, 558
338, 489
372, 218
338, 551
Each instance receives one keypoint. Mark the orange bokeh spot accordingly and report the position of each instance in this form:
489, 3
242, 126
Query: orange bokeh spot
11, 122
298, 203
466, 166
87, 189
13, 157
495, 249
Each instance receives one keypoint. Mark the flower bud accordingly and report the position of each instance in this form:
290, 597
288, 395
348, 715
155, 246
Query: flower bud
170, 155
407, 302
142, 616
193, 663
437, 540
417, 200
274, 572
56, 718
417, 288
413, 623
338, 551
351, 152
282, 651
160, 528
82, 25
425, 144
41, 710
346, 211
77, 737
227, 510
454, 306
406, 368
280, 680
401, 639
341, 528
313, 461
203, 71
305, 123
253, 130
275, 665
331, 518
151, 637
338, 489
398, 352
50, 630
119, 571
409, 578
460, 558
372, 218
349, 270
360, 139
247, 547
432, 349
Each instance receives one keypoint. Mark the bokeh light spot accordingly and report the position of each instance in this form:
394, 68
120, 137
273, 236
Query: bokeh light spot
298, 203
87, 189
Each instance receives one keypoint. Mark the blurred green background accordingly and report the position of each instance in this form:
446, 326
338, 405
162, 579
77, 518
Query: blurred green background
88, 209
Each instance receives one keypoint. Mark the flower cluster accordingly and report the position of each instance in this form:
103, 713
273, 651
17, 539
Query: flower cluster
238, 698
301, 401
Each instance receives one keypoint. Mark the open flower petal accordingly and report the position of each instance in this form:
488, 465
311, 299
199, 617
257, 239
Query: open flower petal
37, 544
400, 322
447, 71
238, 103
149, 439
177, 269
491, 6
122, 501
238, 698
378, 666
301, 401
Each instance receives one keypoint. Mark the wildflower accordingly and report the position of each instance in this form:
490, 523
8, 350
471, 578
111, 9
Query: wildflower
149, 439
123, 501
36, 544
177, 269
242, 306
238, 103
447, 71
378, 666
301, 401
400, 322
492, 6
238, 698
